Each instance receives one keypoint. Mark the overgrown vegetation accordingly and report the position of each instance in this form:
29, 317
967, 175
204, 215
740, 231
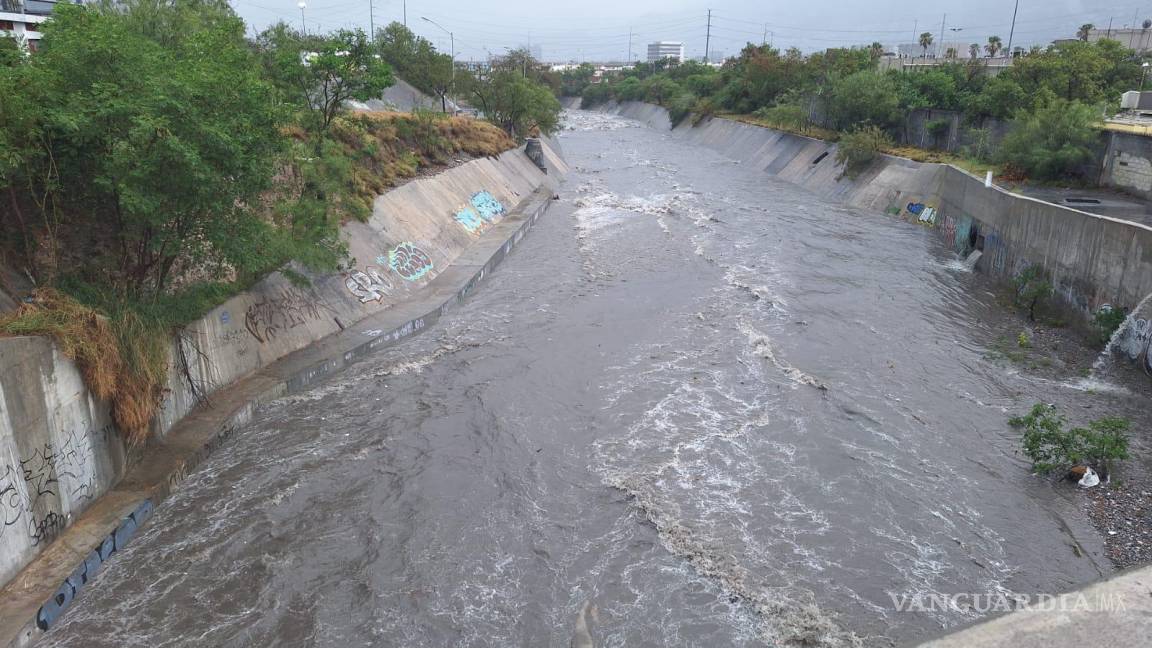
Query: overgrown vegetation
155, 162
1032, 290
1051, 447
1051, 97
1108, 320
860, 147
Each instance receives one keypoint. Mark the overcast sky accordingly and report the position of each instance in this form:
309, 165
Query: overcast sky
598, 29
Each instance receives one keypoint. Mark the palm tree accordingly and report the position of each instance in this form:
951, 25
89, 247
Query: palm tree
1084, 31
926, 42
974, 51
951, 53
993, 46
876, 50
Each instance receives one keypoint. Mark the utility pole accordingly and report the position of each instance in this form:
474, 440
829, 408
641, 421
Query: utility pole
1110, 27
303, 26
708, 37
764, 41
1012, 33
940, 46
915, 35
629, 46
372, 20
405, 13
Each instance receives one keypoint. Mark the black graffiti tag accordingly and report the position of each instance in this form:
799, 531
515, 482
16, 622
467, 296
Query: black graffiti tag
286, 310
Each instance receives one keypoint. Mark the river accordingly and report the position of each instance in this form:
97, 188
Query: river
696, 407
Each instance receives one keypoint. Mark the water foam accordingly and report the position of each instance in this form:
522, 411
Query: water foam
762, 348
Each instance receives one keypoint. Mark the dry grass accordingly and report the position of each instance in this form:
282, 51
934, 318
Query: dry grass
811, 131
386, 149
122, 361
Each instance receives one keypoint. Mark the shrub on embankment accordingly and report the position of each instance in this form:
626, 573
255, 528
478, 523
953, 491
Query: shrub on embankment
151, 167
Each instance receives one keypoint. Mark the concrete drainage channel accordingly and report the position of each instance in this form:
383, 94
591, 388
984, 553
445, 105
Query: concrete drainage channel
33, 601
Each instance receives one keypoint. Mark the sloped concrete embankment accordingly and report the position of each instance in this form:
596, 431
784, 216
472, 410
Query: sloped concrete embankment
71, 494
1093, 260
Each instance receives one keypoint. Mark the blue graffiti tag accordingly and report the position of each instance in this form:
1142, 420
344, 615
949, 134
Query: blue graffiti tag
915, 208
470, 220
409, 261
487, 205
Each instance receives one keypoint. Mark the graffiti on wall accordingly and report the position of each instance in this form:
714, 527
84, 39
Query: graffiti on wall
48, 473
409, 261
285, 310
995, 249
949, 228
1136, 341
487, 206
368, 285
963, 229
470, 220
924, 213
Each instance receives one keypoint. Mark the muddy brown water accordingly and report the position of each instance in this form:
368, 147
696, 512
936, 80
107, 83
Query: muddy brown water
696, 407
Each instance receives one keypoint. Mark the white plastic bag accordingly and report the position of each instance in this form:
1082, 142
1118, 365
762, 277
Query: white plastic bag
1089, 479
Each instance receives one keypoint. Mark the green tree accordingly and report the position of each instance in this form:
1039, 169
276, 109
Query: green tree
864, 98
974, 51
595, 95
416, 60
516, 103
938, 88
629, 89
993, 46
660, 90
320, 73
1094, 73
858, 148
1055, 141
1001, 97
148, 151
925, 42
1085, 31
575, 81
1052, 448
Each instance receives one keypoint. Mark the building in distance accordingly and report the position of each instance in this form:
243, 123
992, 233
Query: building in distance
666, 50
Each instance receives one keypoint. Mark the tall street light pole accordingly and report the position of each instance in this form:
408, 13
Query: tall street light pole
1012, 32
452, 40
303, 27
940, 47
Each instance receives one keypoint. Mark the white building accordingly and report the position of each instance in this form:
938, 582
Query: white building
22, 19
1134, 39
666, 50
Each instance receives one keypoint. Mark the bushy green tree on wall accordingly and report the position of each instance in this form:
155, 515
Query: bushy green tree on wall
1056, 140
165, 143
320, 73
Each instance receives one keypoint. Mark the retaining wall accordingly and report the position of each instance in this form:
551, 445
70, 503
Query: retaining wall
1128, 163
59, 452
1093, 260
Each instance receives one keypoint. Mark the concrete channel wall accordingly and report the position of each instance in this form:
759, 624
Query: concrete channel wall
1092, 260
60, 452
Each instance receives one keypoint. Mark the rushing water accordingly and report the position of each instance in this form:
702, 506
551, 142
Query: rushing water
697, 407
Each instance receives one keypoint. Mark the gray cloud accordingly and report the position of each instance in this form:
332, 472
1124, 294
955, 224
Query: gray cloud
599, 29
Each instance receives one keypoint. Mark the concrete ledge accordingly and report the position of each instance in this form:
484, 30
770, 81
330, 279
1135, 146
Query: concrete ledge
1116, 613
45, 587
